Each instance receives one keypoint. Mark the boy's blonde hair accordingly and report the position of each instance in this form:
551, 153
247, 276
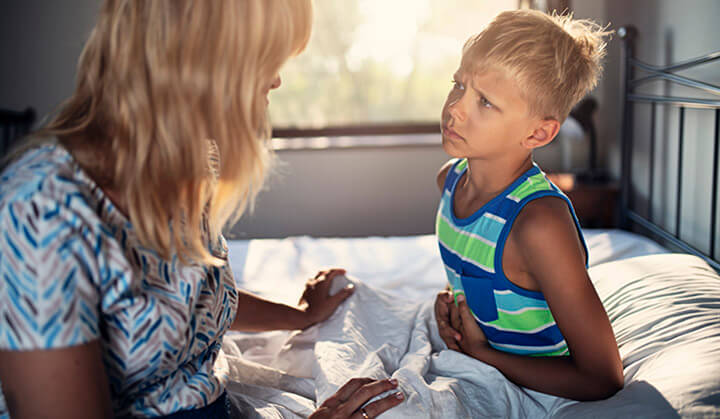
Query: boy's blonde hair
163, 84
555, 59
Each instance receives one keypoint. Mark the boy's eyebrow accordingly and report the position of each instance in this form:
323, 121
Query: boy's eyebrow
458, 74
491, 100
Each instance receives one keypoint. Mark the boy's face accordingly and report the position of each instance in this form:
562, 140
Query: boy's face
484, 116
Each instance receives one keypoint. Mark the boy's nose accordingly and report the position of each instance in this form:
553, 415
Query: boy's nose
455, 109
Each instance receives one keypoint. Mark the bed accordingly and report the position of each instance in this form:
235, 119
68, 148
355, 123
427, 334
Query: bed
661, 292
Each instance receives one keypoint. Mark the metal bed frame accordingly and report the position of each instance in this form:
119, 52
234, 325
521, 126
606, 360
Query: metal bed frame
629, 218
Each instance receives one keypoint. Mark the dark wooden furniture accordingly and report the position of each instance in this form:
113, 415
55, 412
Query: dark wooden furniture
595, 202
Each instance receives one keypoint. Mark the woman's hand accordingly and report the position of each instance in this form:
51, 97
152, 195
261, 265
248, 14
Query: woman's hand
316, 302
347, 402
447, 318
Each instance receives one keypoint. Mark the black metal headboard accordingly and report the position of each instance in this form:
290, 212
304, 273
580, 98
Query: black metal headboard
630, 217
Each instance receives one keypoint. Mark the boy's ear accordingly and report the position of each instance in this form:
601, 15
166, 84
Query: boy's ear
544, 132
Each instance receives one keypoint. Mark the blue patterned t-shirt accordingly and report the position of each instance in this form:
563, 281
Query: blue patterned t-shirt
72, 270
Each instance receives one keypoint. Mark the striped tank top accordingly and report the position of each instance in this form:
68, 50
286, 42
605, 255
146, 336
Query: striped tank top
514, 319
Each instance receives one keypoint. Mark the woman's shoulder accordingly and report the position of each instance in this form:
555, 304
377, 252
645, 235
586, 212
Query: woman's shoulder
45, 200
48, 248
45, 180
36, 172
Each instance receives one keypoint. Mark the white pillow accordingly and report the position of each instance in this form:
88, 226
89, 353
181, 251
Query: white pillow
665, 312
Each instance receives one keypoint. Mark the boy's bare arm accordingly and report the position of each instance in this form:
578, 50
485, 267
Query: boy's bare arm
552, 254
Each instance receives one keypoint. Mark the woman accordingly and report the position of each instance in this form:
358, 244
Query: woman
115, 289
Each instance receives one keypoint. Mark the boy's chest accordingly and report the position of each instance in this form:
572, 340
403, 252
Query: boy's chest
464, 204
478, 243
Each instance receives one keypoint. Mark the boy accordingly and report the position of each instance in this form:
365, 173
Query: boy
511, 244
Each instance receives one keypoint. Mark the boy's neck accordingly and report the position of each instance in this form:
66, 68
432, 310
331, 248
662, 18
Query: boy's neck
490, 177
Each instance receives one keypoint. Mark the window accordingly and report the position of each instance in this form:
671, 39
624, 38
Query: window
375, 62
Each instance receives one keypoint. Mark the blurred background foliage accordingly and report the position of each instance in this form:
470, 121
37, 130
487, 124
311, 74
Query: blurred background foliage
378, 61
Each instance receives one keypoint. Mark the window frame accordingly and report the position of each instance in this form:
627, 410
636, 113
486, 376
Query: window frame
358, 130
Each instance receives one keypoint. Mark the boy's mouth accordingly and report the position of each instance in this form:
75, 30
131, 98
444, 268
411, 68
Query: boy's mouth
450, 133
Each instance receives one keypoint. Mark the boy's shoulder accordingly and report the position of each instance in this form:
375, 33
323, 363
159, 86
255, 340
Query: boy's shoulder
542, 222
546, 243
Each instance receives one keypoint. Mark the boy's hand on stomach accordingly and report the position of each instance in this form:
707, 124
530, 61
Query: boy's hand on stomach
473, 339
443, 315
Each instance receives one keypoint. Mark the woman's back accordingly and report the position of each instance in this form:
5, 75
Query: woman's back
75, 272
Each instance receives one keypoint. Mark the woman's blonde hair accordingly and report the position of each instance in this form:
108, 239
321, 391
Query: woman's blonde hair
162, 85
555, 59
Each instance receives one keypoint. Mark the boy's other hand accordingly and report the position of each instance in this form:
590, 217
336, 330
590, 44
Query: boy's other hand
316, 302
443, 314
473, 337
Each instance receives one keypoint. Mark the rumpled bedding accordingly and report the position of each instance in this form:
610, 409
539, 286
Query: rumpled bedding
665, 311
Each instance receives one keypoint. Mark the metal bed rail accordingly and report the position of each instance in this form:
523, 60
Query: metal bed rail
628, 216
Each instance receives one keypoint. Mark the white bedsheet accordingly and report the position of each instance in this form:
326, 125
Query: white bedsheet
406, 267
664, 310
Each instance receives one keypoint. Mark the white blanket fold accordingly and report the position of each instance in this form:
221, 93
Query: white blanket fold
663, 309
376, 335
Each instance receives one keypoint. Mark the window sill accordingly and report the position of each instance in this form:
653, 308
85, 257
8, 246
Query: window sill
355, 141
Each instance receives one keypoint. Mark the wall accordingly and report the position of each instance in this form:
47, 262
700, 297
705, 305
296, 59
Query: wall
349, 192
335, 191
356, 191
668, 31
40, 42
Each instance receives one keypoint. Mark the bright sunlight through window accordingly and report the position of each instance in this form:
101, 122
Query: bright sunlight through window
378, 61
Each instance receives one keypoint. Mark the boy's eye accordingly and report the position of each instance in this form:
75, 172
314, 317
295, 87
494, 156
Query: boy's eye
485, 103
457, 85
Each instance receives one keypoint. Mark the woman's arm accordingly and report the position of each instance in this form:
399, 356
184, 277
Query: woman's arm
256, 314
56, 383
549, 247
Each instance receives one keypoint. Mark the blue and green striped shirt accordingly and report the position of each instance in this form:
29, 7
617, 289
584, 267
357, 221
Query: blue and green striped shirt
513, 319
